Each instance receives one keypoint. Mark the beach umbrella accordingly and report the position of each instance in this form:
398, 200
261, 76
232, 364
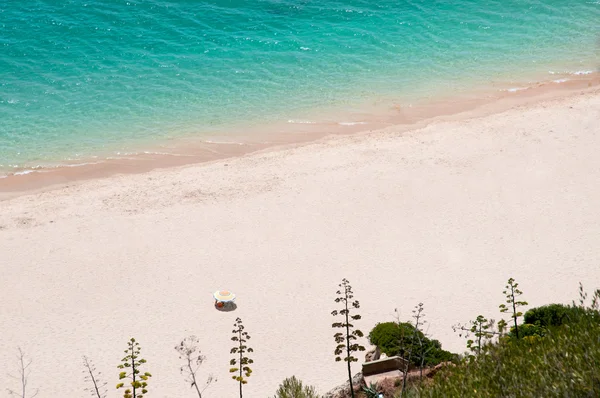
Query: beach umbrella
224, 295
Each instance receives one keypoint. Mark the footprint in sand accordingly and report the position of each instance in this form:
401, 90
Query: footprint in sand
24, 221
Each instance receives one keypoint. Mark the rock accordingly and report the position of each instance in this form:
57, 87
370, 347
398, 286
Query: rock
438, 367
373, 355
427, 372
369, 355
343, 390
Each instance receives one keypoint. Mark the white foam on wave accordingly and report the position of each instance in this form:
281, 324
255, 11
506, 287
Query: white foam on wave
78, 164
164, 153
351, 123
24, 172
575, 73
301, 121
223, 142
560, 81
20, 172
44, 169
515, 89
120, 155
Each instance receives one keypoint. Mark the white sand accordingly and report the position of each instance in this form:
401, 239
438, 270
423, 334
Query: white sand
443, 215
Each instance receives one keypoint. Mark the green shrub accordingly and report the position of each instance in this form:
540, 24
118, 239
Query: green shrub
562, 363
529, 330
386, 336
293, 388
401, 339
553, 315
538, 320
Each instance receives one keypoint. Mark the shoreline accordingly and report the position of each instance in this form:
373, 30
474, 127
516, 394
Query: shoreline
196, 150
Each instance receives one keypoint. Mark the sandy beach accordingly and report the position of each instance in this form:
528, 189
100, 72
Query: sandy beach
442, 215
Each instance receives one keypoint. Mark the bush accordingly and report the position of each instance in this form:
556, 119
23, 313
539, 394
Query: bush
553, 315
387, 337
538, 320
293, 388
563, 363
528, 330
401, 339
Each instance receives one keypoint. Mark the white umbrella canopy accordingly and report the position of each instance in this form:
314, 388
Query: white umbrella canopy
224, 296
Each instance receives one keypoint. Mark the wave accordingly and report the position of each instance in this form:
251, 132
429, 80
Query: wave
19, 173
41, 169
301, 121
351, 123
573, 73
515, 89
218, 143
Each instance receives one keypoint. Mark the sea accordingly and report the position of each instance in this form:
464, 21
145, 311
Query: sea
83, 80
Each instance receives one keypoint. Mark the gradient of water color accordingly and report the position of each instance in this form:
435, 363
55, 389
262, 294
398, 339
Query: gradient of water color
80, 78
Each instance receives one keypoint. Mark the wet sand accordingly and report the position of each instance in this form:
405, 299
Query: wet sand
370, 117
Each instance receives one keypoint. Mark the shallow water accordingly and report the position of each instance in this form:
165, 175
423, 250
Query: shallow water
108, 77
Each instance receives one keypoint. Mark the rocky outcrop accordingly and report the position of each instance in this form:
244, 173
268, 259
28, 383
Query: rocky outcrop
386, 385
343, 390
427, 372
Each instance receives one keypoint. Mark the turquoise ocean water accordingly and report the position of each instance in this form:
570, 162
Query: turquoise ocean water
78, 78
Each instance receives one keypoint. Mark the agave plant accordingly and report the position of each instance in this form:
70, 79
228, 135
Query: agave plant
371, 391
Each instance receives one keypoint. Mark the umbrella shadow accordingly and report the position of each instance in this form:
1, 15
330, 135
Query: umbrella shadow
228, 307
